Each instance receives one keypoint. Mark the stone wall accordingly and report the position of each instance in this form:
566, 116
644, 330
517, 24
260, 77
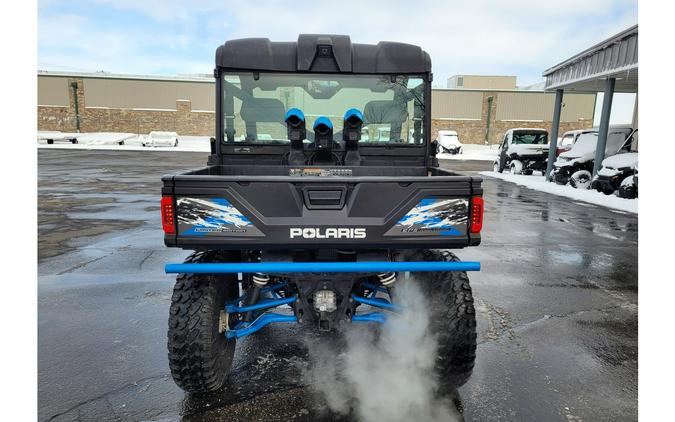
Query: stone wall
184, 121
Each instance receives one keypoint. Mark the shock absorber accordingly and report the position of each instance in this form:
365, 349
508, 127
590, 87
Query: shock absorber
387, 280
259, 281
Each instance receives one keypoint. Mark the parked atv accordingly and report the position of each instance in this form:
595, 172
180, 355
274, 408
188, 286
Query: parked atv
615, 170
523, 151
448, 142
576, 165
315, 222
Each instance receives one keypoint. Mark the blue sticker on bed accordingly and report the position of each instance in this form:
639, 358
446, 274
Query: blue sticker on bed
212, 216
434, 216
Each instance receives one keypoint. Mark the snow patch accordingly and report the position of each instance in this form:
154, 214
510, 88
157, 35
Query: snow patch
132, 142
473, 152
591, 196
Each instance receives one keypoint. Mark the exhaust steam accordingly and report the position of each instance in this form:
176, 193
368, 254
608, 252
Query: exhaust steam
387, 375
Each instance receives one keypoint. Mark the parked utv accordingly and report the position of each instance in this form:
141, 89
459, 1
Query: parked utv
576, 165
570, 138
448, 142
312, 220
615, 170
523, 151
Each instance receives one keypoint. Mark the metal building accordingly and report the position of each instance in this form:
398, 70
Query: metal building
481, 82
609, 66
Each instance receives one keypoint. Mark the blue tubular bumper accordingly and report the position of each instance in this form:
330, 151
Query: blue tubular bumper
322, 267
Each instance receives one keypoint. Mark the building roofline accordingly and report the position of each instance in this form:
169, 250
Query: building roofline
486, 76
525, 91
105, 75
596, 47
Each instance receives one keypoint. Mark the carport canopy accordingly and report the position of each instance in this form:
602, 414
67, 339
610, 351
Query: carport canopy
609, 66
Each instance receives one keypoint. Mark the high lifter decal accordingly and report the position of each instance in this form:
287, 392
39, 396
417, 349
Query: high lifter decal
212, 216
434, 217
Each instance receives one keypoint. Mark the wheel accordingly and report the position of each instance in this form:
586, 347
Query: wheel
580, 179
628, 191
453, 317
50, 141
516, 167
73, 141
496, 168
200, 357
121, 142
175, 144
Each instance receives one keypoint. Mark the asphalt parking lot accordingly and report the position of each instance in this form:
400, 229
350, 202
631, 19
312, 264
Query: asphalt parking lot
556, 304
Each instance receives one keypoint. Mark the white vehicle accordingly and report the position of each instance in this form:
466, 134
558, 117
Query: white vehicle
52, 136
569, 138
575, 166
523, 150
448, 142
161, 139
616, 170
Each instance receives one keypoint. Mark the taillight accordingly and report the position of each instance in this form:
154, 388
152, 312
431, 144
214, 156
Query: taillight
477, 206
168, 215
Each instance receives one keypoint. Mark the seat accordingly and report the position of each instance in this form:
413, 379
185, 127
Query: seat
261, 110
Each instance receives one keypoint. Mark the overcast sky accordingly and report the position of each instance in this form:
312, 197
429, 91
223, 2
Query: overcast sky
169, 37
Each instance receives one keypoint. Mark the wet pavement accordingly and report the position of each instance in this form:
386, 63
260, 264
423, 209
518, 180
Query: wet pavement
556, 304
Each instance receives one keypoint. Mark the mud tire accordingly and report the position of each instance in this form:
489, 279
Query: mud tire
200, 357
581, 179
453, 316
516, 167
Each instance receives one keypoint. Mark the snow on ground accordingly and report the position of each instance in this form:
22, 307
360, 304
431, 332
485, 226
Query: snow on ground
473, 152
132, 142
590, 196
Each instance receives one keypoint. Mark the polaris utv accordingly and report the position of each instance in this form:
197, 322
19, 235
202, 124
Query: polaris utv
298, 219
523, 151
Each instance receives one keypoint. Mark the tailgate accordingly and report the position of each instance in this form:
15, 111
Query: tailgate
237, 212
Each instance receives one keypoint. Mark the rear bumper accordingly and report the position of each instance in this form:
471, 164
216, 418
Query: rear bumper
321, 267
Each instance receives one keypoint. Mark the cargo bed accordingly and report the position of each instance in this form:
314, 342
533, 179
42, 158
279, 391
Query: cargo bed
285, 207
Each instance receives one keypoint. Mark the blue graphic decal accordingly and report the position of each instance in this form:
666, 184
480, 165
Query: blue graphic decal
434, 216
204, 216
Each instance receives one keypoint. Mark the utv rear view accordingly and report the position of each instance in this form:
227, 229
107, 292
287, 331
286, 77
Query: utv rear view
306, 214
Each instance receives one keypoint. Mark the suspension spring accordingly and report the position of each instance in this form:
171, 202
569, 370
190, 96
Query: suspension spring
387, 279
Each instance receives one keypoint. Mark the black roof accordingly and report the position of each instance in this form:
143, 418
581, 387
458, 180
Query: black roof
322, 53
